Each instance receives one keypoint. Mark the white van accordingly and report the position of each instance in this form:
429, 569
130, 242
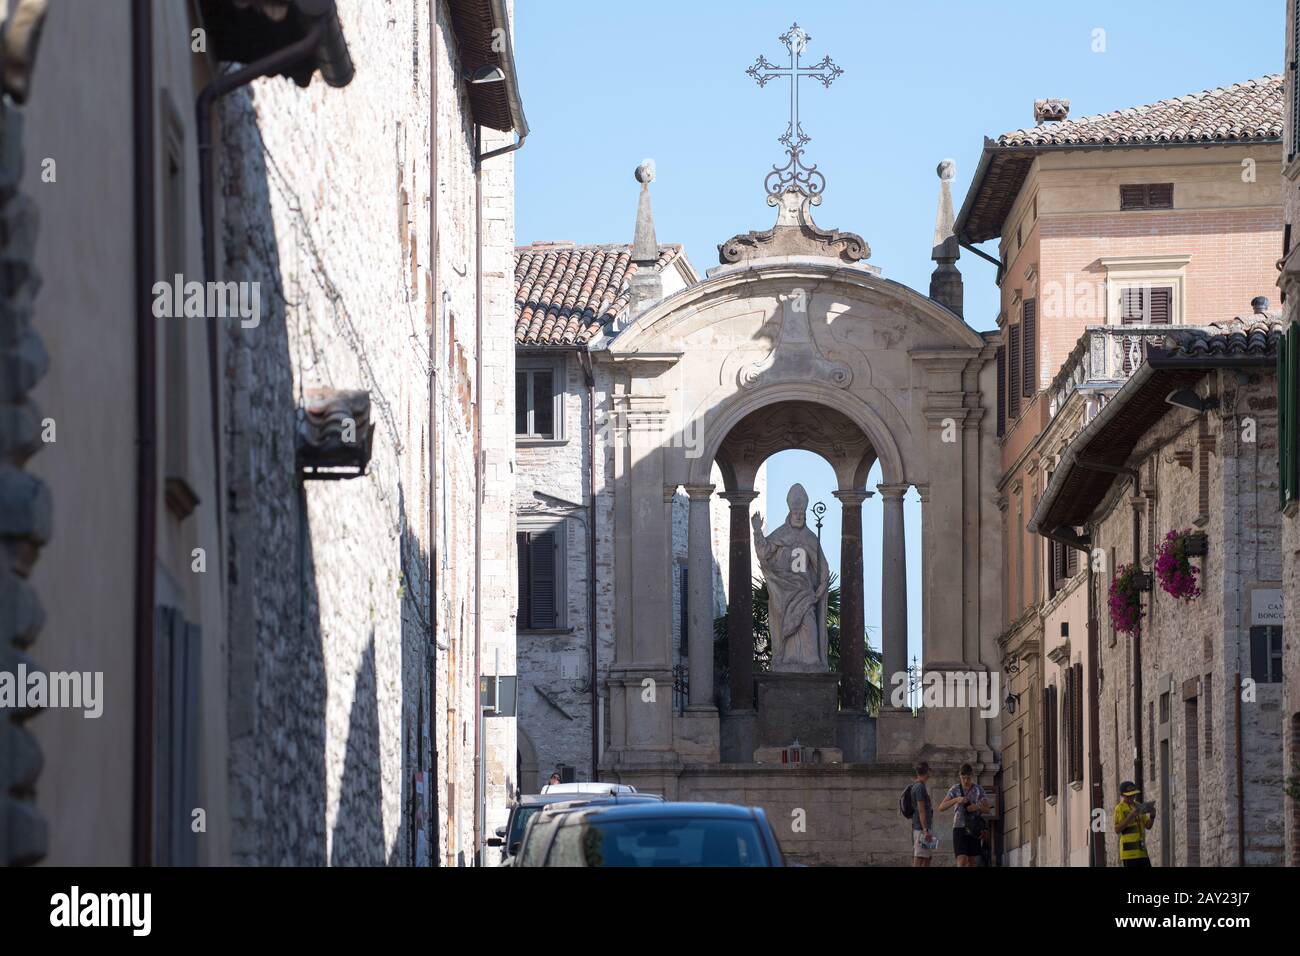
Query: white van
588, 787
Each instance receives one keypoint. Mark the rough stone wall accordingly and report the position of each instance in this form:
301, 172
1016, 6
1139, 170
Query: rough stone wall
554, 666
340, 620
25, 523
1198, 648
1291, 524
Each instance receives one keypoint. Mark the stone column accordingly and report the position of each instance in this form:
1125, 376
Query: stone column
700, 596
893, 582
740, 603
852, 648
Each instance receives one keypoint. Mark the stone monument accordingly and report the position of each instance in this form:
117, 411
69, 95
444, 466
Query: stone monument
797, 699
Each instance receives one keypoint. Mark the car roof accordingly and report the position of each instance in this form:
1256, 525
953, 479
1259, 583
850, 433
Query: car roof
575, 801
588, 786
542, 799
614, 811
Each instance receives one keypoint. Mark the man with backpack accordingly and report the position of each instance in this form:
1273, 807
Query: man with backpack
968, 823
915, 805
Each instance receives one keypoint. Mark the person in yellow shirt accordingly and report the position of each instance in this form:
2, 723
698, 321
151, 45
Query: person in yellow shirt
1132, 820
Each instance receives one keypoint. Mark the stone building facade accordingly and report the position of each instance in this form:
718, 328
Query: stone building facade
566, 297
1289, 398
1193, 693
1103, 221
290, 664
361, 627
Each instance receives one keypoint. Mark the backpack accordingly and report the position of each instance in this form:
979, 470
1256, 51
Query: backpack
906, 805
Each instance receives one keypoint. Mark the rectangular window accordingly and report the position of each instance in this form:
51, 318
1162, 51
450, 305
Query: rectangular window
1146, 196
1266, 654
1029, 331
1013, 375
539, 579
539, 395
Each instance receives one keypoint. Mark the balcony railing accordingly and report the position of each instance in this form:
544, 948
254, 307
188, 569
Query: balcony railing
1104, 358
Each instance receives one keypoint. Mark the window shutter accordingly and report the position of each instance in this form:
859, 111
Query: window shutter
1071, 561
1002, 391
1067, 724
1132, 197
1259, 653
1029, 329
1054, 742
1076, 738
1047, 741
1132, 305
1161, 302
524, 616
541, 560
1146, 196
1288, 377
1160, 196
1013, 375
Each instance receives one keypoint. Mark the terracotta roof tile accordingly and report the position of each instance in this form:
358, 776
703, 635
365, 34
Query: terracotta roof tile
1243, 112
565, 293
1257, 335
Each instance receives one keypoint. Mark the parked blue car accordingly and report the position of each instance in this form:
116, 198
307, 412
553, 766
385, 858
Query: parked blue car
650, 834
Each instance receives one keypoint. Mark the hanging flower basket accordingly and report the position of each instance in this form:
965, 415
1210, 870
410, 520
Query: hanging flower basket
1125, 598
1174, 568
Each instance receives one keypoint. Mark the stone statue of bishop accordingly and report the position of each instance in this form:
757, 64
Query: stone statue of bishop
797, 577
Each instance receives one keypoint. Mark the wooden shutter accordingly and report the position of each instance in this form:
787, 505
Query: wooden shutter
1132, 305
1288, 383
1002, 391
1046, 748
1294, 66
1071, 561
1132, 197
1013, 375
1146, 196
541, 586
1058, 564
176, 737
1159, 305
1029, 331
524, 616
1076, 730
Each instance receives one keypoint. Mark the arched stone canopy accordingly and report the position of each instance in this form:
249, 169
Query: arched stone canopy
781, 353
811, 330
804, 425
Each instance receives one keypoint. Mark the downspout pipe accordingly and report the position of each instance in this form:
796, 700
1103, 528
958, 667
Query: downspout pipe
478, 494
146, 397
584, 357
1096, 792
431, 789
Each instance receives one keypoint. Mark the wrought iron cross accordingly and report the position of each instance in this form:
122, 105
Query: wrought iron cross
794, 172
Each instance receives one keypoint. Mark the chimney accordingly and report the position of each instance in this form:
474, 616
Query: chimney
1050, 111
646, 285
945, 281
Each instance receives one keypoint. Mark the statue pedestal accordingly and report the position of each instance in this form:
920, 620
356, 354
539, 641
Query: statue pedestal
796, 706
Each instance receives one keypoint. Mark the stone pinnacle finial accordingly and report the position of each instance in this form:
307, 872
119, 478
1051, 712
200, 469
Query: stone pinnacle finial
645, 285
943, 219
645, 248
945, 281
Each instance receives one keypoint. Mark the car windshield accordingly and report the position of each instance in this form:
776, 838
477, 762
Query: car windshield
688, 841
517, 824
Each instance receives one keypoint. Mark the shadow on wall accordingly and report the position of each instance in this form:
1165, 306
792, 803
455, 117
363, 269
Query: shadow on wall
280, 764
277, 666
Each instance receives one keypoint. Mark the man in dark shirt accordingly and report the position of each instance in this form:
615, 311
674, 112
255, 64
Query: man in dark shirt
922, 817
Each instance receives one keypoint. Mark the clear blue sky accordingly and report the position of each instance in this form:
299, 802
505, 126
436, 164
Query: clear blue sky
607, 83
